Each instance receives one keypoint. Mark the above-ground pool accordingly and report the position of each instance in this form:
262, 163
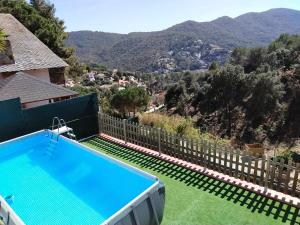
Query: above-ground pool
64, 183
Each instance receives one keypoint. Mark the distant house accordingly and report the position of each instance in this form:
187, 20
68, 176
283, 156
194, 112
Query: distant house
91, 76
100, 76
123, 83
32, 91
25, 52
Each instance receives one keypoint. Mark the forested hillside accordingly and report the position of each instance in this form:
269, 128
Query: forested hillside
187, 46
255, 97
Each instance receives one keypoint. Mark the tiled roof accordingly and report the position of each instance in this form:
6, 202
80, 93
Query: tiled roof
28, 51
30, 89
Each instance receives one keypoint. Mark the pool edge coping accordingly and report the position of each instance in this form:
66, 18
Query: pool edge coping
12, 213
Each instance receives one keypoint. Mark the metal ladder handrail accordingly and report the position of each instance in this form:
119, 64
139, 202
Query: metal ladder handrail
63, 122
59, 125
56, 122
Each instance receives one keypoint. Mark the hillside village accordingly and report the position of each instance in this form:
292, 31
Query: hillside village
107, 79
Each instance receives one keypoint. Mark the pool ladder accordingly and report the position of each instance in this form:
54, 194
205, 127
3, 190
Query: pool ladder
51, 147
58, 127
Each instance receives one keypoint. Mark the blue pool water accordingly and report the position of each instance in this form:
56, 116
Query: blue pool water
73, 186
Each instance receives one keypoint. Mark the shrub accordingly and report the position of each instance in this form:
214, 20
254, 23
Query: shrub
182, 126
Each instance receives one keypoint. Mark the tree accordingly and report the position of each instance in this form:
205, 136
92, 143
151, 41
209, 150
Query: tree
281, 58
285, 41
255, 58
226, 92
138, 98
239, 56
44, 8
174, 93
131, 99
76, 69
118, 102
214, 65
265, 92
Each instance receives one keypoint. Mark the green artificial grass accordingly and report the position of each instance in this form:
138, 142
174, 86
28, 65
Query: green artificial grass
192, 198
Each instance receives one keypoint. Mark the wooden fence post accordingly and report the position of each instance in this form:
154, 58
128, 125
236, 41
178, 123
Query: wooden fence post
287, 177
124, 131
267, 174
159, 140
100, 123
295, 180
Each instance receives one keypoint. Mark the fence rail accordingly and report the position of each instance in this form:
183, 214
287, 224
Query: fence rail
264, 171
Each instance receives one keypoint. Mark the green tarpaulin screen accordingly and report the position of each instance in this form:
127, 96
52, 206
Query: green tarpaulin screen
80, 113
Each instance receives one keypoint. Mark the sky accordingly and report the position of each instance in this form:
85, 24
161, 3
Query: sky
124, 16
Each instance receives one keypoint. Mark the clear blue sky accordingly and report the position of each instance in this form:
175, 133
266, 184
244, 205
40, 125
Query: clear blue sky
124, 16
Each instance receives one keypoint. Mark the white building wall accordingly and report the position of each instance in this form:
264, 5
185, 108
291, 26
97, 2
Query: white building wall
42, 74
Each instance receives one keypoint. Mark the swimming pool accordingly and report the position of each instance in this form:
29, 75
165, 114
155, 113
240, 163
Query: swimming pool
64, 183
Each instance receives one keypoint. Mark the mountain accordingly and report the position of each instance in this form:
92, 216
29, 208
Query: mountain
187, 46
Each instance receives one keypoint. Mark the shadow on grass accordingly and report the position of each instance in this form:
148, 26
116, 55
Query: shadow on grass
254, 202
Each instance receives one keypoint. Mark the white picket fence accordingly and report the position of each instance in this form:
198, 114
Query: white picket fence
263, 171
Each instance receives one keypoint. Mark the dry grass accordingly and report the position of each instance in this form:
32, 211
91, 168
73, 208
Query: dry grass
183, 126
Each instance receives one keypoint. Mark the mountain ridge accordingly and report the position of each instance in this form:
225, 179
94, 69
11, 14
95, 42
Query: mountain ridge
189, 45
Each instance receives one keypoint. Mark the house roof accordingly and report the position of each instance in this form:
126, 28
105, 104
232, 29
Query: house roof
30, 89
28, 51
